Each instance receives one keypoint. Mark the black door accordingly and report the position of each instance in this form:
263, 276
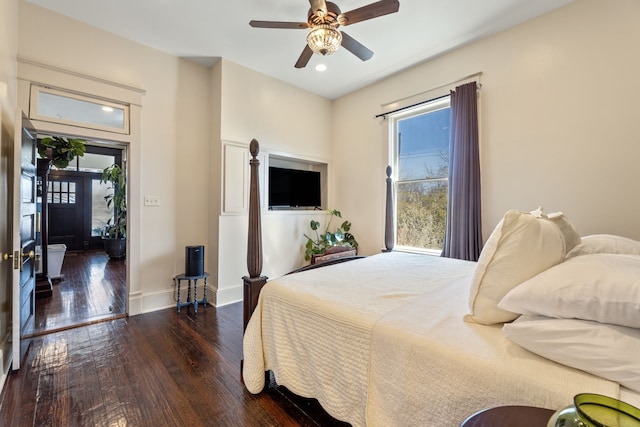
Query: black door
66, 209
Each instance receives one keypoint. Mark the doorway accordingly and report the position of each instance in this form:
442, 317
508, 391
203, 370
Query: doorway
86, 286
107, 113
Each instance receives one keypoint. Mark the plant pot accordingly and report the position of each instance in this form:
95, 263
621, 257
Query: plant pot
115, 248
333, 253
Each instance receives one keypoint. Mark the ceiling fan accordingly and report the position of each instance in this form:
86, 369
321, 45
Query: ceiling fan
324, 18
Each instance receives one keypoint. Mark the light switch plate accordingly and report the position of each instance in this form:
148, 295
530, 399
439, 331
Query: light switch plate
151, 201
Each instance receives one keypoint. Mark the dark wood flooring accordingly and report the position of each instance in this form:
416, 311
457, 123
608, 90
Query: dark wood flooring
155, 369
92, 288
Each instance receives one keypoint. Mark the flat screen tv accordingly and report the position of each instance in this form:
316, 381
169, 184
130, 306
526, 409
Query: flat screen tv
293, 188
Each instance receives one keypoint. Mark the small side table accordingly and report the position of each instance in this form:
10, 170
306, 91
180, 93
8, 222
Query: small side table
191, 300
507, 416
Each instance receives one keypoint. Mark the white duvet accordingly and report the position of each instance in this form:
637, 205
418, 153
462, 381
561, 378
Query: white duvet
380, 341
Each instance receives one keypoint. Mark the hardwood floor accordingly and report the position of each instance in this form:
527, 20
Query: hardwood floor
155, 369
92, 288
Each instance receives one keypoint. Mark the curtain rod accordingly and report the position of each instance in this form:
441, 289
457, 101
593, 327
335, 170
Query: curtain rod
410, 106
478, 74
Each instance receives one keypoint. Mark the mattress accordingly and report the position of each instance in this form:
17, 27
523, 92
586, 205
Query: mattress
380, 341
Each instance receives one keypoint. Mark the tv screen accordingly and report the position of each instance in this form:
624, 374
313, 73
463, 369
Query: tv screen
294, 188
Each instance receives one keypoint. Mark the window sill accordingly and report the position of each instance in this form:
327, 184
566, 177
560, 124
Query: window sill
407, 249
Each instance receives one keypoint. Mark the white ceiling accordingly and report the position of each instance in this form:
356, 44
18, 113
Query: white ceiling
206, 30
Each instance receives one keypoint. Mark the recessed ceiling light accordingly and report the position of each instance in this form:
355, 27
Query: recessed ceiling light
107, 108
321, 67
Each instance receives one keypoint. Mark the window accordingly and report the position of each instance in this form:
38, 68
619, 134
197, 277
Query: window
93, 162
100, 213
61, 192
57, 106
420, 151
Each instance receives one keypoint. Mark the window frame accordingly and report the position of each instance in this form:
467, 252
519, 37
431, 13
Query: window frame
394, 117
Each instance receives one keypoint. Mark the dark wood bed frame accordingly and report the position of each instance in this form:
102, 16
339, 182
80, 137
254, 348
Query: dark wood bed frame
254, 281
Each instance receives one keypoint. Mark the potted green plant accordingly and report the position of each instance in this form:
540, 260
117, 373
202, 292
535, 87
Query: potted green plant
326, 240
60, 150
115, 232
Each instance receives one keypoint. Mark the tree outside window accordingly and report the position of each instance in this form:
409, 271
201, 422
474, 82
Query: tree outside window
420, 138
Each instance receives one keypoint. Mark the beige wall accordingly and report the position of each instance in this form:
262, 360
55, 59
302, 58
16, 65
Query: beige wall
282, 117
559, 122
169, 161
8, 103
286, 121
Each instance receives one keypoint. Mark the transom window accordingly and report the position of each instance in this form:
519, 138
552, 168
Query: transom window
420, 151
68, 108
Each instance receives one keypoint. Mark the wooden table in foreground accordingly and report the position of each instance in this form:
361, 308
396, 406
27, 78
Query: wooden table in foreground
508, 416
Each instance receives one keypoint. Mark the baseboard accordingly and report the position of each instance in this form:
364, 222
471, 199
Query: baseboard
156, 301
135, 303
228, 295
145, 303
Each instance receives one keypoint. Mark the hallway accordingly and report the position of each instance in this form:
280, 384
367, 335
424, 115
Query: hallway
92, 288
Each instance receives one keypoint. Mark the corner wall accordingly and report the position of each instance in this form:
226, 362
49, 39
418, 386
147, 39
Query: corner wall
558, 122
215, 178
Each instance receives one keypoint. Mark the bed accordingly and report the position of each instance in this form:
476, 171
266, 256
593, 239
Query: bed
400, 339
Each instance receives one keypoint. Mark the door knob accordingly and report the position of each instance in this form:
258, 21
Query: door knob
28, 255
16, 259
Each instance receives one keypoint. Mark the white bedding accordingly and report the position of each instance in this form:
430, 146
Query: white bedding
440, 369
381, 341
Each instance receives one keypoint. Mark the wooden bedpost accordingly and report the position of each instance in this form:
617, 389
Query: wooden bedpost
389, 235
253, 283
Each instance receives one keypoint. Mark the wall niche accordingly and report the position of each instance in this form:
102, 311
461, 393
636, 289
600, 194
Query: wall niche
295, 184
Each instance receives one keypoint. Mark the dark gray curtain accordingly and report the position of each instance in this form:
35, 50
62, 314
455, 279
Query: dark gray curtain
463, 237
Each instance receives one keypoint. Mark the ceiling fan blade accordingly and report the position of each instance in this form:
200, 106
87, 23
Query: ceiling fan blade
278, 24
317, 5
355, 47
373, 10
305, 56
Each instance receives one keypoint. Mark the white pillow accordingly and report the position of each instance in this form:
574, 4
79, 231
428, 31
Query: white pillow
521, 246
607, 351
600, 287
605, 244
571, 235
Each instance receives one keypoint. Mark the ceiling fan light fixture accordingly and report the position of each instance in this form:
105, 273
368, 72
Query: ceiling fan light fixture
324, 40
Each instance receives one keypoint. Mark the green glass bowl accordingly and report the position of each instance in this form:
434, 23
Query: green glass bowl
596, 410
